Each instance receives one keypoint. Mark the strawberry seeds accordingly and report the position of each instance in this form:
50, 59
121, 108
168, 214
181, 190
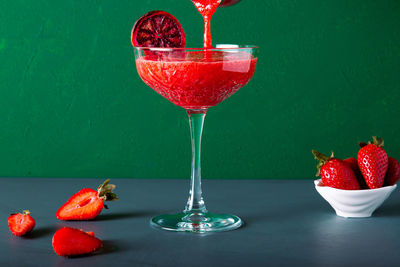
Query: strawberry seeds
372, 169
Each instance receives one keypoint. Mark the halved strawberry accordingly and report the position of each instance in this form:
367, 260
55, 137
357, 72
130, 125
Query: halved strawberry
21, 223
87, 203
69, 241
158, 29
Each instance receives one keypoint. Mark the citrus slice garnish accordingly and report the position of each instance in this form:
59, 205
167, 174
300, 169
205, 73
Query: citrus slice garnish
158, 29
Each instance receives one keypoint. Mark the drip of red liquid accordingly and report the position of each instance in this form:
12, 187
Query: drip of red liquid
207, 9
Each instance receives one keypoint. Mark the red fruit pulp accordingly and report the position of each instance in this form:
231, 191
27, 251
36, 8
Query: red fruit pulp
20, 224
84, 205
207, 9
192, 81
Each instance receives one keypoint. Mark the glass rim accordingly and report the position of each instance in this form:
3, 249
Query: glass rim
165, 49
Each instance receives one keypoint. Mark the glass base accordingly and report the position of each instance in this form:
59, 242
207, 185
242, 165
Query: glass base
196, 222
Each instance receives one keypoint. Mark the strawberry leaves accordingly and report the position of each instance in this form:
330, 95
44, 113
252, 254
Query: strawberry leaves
105, 191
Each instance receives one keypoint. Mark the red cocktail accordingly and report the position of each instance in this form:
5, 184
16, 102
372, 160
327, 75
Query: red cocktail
195, 79
191, 79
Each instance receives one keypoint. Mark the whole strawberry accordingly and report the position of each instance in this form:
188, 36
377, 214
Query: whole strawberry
87, 203
21, 223
373, 162
352, 162
393, 172
69, 242
335, 172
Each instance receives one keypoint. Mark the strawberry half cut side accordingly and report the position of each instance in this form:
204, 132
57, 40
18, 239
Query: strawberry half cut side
87, 203
21, 223
158, 29
69, 242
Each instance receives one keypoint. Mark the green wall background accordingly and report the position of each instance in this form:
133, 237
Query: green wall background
72, 104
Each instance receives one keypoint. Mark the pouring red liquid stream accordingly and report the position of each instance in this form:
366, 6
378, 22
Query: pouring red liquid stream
207, 9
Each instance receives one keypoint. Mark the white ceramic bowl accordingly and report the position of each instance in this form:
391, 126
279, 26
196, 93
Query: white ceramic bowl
354, 203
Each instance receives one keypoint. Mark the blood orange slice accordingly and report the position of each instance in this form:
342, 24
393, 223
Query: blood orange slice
158, 29
226, 3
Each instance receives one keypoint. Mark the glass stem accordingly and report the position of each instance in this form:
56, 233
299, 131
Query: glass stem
195, 202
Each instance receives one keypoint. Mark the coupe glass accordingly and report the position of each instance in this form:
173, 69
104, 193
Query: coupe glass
196, 79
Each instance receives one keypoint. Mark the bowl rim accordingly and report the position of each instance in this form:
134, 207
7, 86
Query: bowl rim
361, 191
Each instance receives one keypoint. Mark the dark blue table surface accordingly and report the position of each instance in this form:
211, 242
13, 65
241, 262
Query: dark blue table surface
286, 224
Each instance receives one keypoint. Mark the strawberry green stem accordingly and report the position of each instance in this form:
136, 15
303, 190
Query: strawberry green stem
105, 191
322, 160
375, 141
26, 212
378, 141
